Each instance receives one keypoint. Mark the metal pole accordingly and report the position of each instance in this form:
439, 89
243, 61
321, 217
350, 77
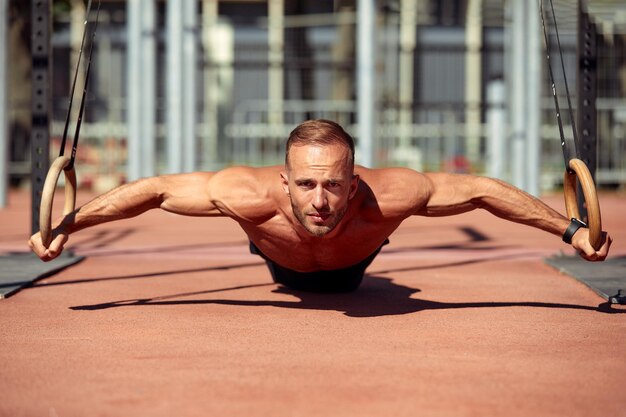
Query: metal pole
41, 51
496, 116
366, 72
518, 88
587, 92
148, 88
276, 44
533, 99
473, 78
133, 28
174, 73
189, 117
141, 88
408, 17
211, 83
4, 132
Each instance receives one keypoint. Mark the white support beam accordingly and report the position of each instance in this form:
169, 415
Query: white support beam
517, 71
408, 17
496, 122
210, 17
148, 88
525, 83
533, 99
141, 89
276, 44
473, 78
133, 29
173, 91
366, 74
189, 67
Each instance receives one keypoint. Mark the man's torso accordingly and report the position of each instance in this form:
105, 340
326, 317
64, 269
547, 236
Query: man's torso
369, 220
278, 240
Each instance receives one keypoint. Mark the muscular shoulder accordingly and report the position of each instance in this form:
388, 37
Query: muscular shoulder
246, 193
397, 192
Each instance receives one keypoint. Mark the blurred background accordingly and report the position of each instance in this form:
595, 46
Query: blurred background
446, 85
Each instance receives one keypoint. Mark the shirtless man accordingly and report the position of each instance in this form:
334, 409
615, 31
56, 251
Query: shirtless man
319, 221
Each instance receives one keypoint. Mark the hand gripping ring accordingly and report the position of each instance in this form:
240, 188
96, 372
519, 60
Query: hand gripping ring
47, 197
579, 170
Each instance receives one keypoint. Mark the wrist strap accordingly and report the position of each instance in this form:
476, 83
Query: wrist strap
574, 225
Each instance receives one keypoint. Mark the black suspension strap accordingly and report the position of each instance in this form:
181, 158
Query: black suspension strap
575, 168
86, 83
566, 154
63, 162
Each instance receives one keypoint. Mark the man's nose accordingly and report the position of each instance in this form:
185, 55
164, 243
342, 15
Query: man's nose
319, 200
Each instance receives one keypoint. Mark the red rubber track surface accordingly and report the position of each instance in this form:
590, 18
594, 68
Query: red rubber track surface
168, 315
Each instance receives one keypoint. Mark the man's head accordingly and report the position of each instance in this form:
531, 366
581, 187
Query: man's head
319, 177
319, 132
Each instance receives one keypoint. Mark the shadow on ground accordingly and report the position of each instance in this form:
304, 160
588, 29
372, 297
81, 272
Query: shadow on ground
377, 296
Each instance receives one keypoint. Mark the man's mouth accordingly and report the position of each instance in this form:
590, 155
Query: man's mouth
319, 217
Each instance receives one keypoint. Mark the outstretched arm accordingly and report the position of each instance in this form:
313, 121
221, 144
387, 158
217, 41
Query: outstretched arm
183, 194
453, 194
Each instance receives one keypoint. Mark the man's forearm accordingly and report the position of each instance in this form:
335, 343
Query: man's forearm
510, 203
455, 194
513, 204
123, 202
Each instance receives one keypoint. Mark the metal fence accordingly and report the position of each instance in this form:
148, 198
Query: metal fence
238, 122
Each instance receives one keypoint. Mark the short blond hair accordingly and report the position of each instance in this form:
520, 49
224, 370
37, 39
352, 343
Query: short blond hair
319, 132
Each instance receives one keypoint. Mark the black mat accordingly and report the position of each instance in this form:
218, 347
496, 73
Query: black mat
606, 278
18, 270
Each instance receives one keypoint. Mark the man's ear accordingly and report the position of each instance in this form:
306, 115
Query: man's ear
354, 186
285, 181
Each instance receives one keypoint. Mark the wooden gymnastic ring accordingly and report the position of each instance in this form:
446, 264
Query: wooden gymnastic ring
579, 170
47, 196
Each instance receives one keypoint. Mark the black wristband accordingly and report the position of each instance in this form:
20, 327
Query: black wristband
571, 229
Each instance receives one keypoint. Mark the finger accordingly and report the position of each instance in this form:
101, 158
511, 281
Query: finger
599, 257
587, 251
603, 252
56, 246
593, 256
606, 242
54, 251
36, 246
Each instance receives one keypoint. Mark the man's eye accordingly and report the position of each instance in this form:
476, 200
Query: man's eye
333, 184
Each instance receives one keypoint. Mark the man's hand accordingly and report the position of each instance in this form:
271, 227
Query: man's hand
59, 237
580, 242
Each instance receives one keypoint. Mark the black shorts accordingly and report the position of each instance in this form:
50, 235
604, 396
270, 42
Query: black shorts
333, 281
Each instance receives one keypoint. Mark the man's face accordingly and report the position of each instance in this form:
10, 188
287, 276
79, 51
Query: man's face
319, 182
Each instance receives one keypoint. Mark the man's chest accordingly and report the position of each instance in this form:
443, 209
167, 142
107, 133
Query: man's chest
282, 244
